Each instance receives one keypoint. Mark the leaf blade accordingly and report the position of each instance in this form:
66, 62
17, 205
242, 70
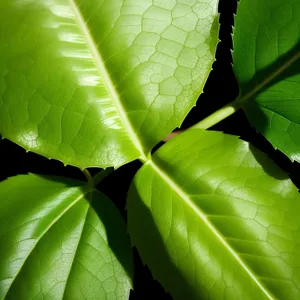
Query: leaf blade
68, 257
216, 234
110, 86
100, 83
266, 63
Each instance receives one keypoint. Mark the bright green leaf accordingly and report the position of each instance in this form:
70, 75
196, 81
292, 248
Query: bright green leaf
59, 241
100, 82
216, 219
267, 65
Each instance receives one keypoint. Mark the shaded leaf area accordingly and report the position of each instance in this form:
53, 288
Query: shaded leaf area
61, 241
214, 218
145, 287
99, 83
14, 160
267, 62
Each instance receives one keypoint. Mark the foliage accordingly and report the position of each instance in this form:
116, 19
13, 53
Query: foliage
100, 84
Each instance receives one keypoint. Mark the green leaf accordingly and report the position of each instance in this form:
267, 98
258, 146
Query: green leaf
60, 241
267, 65
216, 219
100, 82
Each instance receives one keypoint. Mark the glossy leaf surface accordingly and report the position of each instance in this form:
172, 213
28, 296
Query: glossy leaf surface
216, 219
100, 82
55, 245
267, 65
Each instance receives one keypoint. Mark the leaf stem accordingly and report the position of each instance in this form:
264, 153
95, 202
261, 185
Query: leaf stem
101, 175
219, 115
88, 177
95, 180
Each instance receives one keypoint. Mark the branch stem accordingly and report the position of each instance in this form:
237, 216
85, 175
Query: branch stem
88, 177
219, 115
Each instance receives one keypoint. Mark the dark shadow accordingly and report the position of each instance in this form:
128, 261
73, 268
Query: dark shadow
116, 231
15, 160
221, 86
290, 71
116, 185
152, 250
145, 287
267, 164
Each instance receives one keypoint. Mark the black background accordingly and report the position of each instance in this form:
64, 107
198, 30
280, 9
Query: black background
220, 89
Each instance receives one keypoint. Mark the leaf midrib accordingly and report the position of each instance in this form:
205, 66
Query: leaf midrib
55, 220
106, 77
177, 189
268, 79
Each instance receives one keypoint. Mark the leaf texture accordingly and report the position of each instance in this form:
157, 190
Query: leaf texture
267, 65
59, 241
214, 218
99, 83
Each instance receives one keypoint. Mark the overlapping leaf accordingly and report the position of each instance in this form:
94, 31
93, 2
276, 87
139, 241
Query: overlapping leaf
99, 83
267, 65
60, 241
216, 219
